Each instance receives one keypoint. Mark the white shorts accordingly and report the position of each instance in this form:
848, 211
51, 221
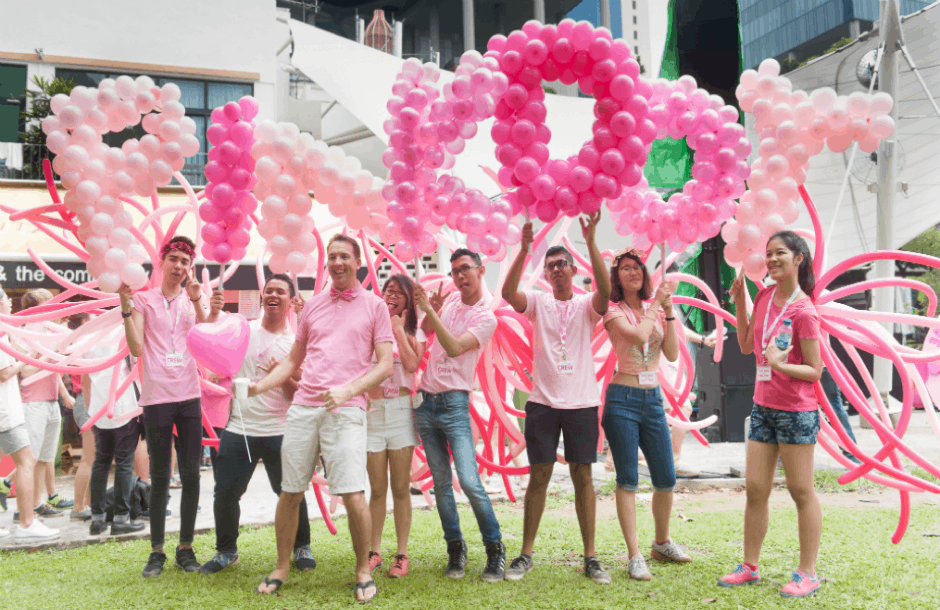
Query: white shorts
44, 424
340, 436
391, 424
14, 439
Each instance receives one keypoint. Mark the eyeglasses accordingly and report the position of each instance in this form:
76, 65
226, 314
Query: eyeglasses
557, 265
462, 270
632, 269
395, 294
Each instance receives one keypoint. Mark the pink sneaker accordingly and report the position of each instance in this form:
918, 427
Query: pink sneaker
375, 561
399, 568
802, 585
740, 576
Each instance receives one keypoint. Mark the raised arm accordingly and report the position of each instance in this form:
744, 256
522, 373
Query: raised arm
511, 293
334, 398
453, 346
745, 331
11, 371
133, 325
216, 304
281, 372
672, 330
601, 299
194, 292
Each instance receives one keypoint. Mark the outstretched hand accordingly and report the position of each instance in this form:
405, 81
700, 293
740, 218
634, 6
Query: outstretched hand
588, 225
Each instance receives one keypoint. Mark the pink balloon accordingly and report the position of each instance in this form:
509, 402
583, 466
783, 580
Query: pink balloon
221, 346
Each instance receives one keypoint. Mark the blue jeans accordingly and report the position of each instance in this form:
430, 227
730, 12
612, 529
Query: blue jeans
443, 421
634, 418
831, 388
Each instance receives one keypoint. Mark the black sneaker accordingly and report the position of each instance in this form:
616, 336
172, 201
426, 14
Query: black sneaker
495, 562
186, 559
519, 567
47, 511
154, 564
219, 563
456, 559
97, 528
126, 527
303, 559
596, 572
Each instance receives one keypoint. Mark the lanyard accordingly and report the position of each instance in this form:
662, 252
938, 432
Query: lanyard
563, 316
765, 340
170, 304
637, 322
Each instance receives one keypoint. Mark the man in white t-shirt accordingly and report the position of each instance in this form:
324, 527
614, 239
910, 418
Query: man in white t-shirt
255, 428
565, 395
115, 442
14, 441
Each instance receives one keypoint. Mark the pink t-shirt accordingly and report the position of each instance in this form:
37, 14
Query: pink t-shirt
400, 378
445, 373
564, 376
165, 333
629, 356
782, 391
339, 337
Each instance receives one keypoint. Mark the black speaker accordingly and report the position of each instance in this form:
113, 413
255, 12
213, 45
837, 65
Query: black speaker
725, 389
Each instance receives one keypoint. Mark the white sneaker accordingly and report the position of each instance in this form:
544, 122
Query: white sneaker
4, 533
36, 532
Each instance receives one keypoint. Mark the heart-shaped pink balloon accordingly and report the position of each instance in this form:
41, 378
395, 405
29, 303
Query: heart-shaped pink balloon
221, 346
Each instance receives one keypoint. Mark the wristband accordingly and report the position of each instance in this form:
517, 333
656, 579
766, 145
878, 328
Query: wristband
199, 298
670, 319
127, 315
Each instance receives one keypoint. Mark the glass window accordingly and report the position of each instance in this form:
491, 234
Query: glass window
221, 93
193, 93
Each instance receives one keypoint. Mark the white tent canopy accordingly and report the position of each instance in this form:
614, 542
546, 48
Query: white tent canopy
917, 209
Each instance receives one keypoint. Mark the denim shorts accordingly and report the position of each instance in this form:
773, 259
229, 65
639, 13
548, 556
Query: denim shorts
634, 418
774, 426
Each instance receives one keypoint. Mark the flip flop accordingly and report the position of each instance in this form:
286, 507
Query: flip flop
267, 582
362, 586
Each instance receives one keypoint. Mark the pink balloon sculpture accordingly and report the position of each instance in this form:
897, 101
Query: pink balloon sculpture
98, 178
792, 127
230, 176
622, 134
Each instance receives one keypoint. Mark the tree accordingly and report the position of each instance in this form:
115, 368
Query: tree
927, 243
37, 108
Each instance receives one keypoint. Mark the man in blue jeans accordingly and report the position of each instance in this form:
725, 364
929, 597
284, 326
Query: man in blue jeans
462, 325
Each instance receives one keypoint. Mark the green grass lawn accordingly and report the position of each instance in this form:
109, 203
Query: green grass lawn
862, 568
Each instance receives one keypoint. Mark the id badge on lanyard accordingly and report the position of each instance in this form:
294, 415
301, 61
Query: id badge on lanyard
764, 372
173, 358
646, 377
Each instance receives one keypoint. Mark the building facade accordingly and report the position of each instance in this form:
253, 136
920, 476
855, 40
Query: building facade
799, 29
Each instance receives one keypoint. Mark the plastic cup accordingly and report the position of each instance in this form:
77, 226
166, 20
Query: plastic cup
241, 387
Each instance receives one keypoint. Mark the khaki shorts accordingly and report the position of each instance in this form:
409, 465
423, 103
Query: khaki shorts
391, 424
44, 424
340, 436
14, 439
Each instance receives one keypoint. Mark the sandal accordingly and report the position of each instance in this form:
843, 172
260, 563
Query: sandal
267, 582
363, 586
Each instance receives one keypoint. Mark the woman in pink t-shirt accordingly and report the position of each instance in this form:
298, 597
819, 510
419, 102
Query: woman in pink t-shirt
784, 335
640, 331
391, 437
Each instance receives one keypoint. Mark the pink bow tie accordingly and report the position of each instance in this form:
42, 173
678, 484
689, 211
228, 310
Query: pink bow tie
346, 295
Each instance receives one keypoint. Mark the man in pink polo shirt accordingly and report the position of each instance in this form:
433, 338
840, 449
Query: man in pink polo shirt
337, 334
464, 325
155, 324
565, 394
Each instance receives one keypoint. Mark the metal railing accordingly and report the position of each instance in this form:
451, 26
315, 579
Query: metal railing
28, 165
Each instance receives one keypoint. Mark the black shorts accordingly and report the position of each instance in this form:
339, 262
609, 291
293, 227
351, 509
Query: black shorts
544, 425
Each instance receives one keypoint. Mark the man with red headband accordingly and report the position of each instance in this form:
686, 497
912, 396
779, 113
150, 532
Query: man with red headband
156, 322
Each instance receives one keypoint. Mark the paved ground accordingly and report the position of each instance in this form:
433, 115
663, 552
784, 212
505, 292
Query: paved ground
717, 462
